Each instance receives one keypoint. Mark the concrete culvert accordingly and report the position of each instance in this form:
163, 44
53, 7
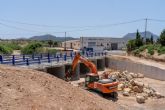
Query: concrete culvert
76, 75
84, 69
107, 62
101, 64
58, 71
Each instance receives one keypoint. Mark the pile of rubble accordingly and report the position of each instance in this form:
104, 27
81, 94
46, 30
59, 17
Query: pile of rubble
129, 85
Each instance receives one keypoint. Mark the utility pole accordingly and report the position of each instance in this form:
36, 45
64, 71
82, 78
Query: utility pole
65, 42
82, 42
146, 21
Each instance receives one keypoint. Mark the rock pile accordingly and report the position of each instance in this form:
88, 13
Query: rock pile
129, 85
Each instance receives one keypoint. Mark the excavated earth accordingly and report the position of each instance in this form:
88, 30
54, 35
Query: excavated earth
25, 89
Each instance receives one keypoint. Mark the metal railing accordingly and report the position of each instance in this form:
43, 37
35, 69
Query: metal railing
17, 60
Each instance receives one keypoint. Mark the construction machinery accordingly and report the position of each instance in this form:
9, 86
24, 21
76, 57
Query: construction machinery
92, 80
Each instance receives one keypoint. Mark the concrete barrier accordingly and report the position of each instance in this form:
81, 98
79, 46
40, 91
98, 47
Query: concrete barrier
125, 64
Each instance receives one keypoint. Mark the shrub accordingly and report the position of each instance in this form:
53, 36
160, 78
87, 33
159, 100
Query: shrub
150, 49
131, 45
32, 48
142, 48
52, 51
5, 50
136, 52
13, 46
161, 50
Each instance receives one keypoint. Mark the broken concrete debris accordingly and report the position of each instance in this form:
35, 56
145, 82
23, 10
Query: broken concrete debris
129, 85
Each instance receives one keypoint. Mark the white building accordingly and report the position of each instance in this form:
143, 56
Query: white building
72, 44
102, 43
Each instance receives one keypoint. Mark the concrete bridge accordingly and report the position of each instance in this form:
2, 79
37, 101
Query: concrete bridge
58, 64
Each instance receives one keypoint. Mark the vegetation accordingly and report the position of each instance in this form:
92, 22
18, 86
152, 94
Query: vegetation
138, 40
32, 48
13, 46
5, 50
50, 42
51, 51
137, 46
162, 38
135, 43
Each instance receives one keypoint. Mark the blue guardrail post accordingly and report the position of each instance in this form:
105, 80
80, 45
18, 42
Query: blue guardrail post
41, 56
1, 59
23, 57
48, 58
57, 58
64, 57
27, 62
13, 60
87, 54
71, 55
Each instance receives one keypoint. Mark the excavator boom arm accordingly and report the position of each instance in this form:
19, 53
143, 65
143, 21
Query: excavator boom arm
85, 61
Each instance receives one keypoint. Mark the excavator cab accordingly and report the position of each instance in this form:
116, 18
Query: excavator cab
90, 78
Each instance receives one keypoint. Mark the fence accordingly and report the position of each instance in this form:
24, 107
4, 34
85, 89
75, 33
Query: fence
42, 58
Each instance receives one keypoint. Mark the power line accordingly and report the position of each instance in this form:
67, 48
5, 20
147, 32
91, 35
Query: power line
18, 28
158, 20
86, 27
59, 26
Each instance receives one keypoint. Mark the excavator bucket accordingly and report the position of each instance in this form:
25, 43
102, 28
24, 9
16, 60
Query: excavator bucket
68, 74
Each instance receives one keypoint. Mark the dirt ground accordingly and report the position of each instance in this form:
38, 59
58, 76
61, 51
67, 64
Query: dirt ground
24, 89
130, 103
150, 104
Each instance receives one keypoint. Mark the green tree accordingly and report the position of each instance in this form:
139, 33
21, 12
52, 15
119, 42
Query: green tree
50, 42
131, 45
55, 44
162, 38
32, 48
152, 39
139, 40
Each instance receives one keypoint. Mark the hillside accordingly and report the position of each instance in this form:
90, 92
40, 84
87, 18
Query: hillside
50, 37
148, 35
24, 89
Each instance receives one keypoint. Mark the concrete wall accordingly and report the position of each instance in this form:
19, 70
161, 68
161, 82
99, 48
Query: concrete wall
76, 75
101, 64
58, 71
147, 70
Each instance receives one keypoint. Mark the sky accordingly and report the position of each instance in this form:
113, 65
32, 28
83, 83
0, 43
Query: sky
79, 17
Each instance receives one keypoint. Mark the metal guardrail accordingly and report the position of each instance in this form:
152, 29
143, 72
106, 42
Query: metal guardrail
17, 60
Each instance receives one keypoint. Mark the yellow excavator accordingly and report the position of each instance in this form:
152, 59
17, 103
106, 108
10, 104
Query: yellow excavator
92, 81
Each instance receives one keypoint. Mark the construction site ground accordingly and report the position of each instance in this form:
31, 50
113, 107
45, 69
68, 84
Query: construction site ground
130, 103
25, 89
